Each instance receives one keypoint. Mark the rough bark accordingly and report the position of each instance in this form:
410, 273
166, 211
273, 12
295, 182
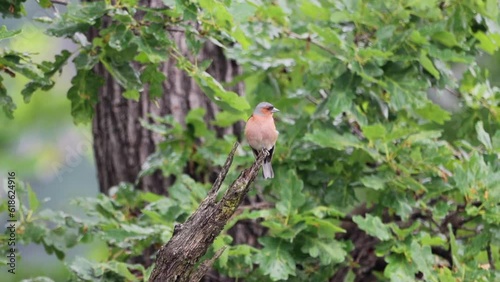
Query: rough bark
177, 259
121, 144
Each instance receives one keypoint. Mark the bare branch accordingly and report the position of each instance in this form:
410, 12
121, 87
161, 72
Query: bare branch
176, 260
312, 41
205, 266
60, 2
173, 29
490, 257
223, 172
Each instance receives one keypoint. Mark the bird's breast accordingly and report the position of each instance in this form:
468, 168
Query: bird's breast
261, 132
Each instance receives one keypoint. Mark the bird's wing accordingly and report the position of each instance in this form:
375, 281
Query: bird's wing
270, 156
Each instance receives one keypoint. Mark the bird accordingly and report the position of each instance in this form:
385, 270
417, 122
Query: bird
261, 133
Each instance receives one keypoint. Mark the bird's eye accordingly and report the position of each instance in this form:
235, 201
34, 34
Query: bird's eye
270, 108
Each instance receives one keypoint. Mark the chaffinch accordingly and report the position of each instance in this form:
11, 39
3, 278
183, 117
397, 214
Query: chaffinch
261, 133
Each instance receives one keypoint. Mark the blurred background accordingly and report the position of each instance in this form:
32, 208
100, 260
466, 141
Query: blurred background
43, 146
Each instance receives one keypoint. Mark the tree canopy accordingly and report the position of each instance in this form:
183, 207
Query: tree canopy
361, 147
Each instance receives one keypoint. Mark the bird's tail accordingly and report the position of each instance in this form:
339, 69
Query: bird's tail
267, 170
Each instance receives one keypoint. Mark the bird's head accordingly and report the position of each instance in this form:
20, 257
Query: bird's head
265, 109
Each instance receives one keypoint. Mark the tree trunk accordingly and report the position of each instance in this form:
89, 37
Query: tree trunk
121, 145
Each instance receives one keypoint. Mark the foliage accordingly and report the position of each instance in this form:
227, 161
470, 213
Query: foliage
351, 78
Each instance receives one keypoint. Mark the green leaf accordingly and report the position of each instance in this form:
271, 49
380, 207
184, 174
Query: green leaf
446, 38
16, 62
6, 101
12, 8
424, 136
489, 43
445, 275
241, 37
329, 251
314, 10
227, 100
132, 94
374, 181
340, 16
83, 94
399, 269
330, 138
220, 242
291, 196
121, 37
367, 54
424, 260
433, 112
124, 73
404, 90
218, 12
155, 78
286, 230
85, 60
329, 36
121, 269
483, 136
225, 119
449, 55
429, 240
78, 18
45, 3
153, 43
196, 118
373, 226
325, 228
428, 65
274, 260
242, 10
491, 9
155, 217
32, 199
454, 249
495, 140
49, 69
339, 101
374, 132
478, 243
86, 270
4, 33
417, 38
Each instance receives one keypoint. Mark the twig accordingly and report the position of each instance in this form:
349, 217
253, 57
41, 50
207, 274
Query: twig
173, 29
314, 42
257, 206
312, 100
490, 257
453, 92
223, 172
60, 2
205, 266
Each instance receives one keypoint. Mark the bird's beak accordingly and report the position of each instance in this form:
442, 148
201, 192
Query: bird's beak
274, 110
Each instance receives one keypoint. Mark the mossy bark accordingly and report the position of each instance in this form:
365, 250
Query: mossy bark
177, 259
